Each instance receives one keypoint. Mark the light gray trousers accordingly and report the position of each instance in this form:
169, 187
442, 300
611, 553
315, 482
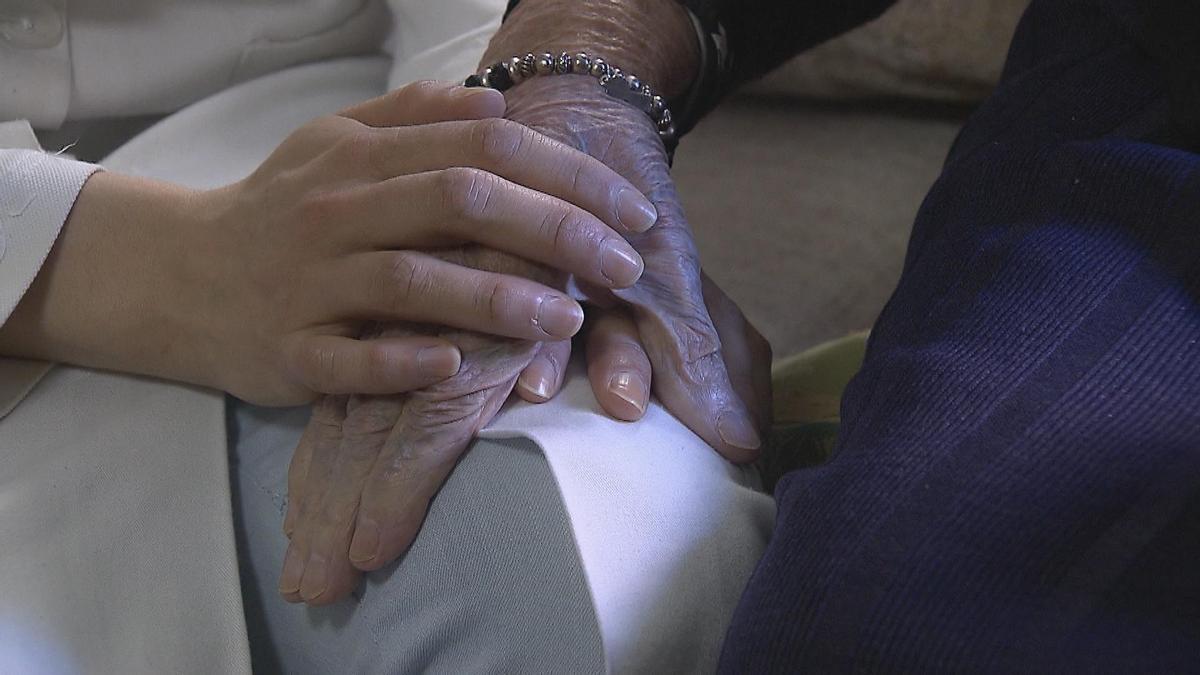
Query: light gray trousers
492, 584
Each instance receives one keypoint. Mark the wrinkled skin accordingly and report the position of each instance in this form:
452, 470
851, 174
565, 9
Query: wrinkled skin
673, 321
367, 467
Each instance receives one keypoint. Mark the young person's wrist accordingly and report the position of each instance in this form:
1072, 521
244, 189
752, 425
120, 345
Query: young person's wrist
109, 296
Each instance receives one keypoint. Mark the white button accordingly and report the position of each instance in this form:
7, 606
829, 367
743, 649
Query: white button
31, 24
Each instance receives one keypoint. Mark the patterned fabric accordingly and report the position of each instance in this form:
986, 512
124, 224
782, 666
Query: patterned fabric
1016, 487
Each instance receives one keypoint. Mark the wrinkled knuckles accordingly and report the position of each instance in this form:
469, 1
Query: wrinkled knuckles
374, 417
406, 276
500, 142
318, 210
421, 91
496, 299
562, 227
318, 364
356, 148
697, 338
465, 193
336, 516
382, 363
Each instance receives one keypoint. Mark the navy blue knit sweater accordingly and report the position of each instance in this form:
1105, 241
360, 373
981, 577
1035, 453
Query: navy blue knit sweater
1017, 482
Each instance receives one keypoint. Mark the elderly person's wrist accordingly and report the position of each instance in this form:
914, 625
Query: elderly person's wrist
653, 39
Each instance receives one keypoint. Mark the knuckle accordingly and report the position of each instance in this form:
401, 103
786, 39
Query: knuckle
326, 418
465, 192
493, 298
421, 90
321, 364
563, 228
405, 277
697, 338
354, 147
448, 420
500, 141
335, 512
372, 416
318, 210
380, 362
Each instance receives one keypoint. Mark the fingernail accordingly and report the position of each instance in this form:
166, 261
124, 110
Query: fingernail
316, 578
738, 431
631, 388
635, 212
558, 316
438, 362
619, 263
365, 545
538, 379
293, 572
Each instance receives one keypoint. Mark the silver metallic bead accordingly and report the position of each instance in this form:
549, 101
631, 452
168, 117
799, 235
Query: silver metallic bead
658, 106
528, 63
634, 83
564, 63
665, 121
581, 64
646, 91
486, 76
599, 68
616, 73
544, 64
513, 66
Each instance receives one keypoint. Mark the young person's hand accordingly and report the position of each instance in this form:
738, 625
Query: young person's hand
262, 288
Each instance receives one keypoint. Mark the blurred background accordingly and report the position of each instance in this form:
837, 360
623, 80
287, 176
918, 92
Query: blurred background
802, 189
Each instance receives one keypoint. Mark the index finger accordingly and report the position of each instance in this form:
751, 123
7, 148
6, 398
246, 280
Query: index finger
521, 155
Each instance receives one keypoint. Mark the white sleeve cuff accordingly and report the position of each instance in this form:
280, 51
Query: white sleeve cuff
37, 191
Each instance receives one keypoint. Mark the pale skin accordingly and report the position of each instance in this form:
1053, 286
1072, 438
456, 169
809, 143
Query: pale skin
264, 288
362, 478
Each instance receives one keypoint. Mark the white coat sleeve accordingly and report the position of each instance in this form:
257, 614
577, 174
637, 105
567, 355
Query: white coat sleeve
37, 191
439, 41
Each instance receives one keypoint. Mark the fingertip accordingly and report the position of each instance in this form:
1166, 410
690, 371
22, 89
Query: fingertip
292, 573
438, 362
373, 547
537, 383
741, 440
558, 316
480, 102
628, 395
364, 546
534, 389
635, 213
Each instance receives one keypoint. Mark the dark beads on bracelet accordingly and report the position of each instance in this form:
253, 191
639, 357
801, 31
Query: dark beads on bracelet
616, 83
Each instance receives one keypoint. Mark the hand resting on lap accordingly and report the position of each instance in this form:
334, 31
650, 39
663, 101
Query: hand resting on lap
361, 481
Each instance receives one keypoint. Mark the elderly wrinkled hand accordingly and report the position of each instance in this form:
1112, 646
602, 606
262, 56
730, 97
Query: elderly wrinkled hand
362, 478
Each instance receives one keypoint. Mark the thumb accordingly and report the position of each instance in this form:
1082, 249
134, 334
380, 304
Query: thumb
426, 102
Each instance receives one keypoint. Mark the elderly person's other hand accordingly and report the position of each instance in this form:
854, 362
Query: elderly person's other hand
361, 480
262, 288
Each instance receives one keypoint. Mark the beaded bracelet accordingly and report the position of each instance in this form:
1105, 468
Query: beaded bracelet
617, 84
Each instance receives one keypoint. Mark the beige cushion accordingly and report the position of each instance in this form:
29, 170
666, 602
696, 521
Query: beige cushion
945, 50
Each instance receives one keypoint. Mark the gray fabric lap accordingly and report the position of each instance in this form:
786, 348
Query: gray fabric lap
493, 582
